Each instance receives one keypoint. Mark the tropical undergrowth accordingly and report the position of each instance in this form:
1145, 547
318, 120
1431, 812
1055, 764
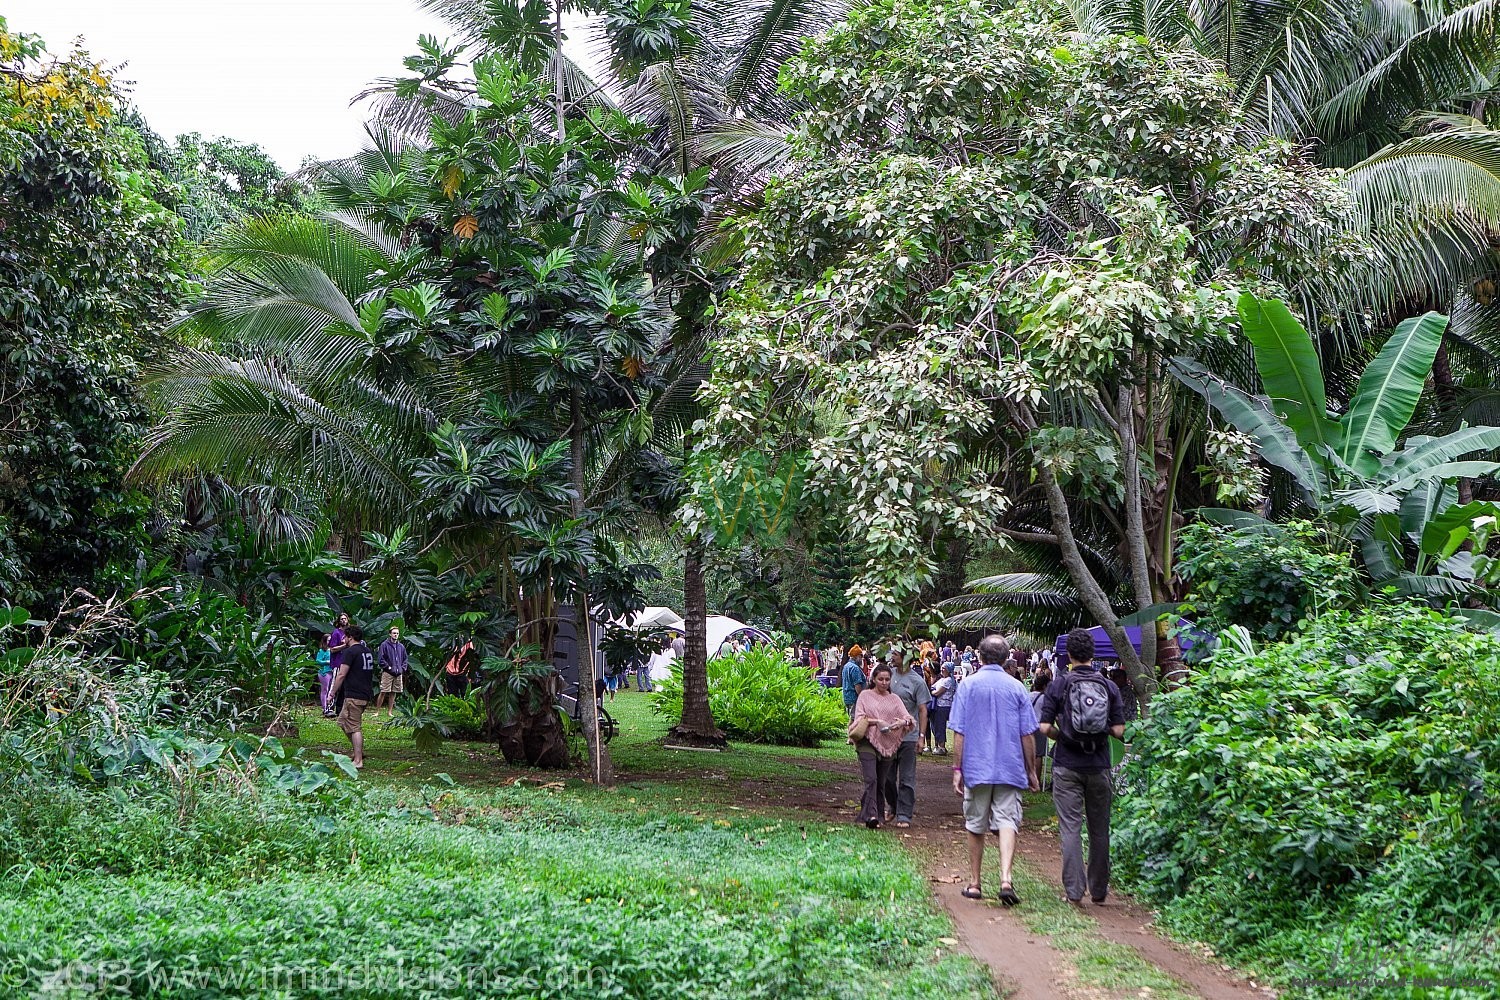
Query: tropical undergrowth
760, 695
441, 892
147, 851
1325, 810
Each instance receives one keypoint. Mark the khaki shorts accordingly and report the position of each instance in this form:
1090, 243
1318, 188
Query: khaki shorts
992, 807
352, 714
392, 683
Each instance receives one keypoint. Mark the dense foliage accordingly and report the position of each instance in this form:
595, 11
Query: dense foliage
1365, 477
970, 292
1326, 807
1267, 579
91, 266
761, 696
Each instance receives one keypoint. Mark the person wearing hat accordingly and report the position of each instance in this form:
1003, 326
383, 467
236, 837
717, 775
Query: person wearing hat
853, 679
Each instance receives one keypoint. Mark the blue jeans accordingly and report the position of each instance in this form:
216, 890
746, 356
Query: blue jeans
938, 718
643, 680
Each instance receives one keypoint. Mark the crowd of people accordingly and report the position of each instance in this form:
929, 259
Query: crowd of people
1006, 712
1010, 713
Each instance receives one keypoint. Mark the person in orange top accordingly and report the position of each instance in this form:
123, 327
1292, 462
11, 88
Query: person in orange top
880, 722
456, 669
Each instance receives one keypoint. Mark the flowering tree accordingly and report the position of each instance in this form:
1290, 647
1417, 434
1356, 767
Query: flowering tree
997, 237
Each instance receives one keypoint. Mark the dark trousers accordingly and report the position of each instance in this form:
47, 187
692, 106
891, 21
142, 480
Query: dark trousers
938, 718
1083, 796
901, 784
876, 770
457, 684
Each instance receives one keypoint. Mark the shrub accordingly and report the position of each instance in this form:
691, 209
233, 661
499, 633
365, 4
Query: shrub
761, 696
463, 715
1266, 578
1327, 807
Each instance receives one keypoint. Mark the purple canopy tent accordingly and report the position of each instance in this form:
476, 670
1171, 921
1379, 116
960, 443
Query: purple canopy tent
1104, 649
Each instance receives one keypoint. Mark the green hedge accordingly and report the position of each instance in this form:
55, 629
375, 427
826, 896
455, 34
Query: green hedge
1326, 809
760, 696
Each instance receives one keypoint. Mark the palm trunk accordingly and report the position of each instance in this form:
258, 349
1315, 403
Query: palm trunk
600, 765
697, 723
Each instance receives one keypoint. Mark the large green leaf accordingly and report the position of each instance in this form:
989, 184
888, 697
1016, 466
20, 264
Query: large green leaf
1421, 504
1289, 370
1443, 470
1422, 452
1388, 392
1277, 442
1445, 533
1381, 548
1242, 520
1488, 621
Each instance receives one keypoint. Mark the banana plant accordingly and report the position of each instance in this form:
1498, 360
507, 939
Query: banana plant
1353, 469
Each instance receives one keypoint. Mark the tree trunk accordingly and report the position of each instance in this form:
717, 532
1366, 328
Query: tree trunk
1090, 594
600, 765
1135, 527
697, 724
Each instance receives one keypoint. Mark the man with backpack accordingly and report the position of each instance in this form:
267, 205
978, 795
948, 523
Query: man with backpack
1081, 711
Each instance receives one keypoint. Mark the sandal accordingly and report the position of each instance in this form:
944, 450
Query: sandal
973, 892
1008, 894
902, 824
872, 824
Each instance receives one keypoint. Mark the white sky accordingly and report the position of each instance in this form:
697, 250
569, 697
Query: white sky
279, 73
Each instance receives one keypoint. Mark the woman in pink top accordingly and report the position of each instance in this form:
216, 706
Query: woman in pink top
880, 720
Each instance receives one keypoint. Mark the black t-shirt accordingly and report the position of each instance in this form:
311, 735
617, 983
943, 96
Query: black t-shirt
359, 681
1069, 754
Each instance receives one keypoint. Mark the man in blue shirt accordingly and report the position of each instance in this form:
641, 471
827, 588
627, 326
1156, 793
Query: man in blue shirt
853, 678
994, 758
1081, 786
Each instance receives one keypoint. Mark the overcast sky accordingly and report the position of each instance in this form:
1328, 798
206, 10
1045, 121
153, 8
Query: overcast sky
279, 73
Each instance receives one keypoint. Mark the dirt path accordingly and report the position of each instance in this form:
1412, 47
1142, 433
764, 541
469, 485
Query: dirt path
1025, 964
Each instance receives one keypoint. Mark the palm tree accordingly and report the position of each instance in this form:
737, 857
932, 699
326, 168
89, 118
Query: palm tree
702, 78
433, 353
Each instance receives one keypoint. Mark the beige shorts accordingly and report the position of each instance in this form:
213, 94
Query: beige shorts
352, 714
992, 807
392, 683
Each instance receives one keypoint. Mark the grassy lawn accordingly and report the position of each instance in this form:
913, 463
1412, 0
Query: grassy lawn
401, 884
637, 752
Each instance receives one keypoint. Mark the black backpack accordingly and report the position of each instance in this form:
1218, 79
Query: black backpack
1084, 718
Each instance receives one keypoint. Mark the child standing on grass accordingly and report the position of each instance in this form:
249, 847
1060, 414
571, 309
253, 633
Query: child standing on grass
325, 672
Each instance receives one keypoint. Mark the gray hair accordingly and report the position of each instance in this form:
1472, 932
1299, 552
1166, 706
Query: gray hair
993, 649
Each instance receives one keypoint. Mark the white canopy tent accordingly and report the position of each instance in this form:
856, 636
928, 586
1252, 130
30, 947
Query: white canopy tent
658, 618
721, 628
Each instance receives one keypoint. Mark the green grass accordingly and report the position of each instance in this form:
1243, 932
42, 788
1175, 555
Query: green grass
638, 751
638, 754
448, 892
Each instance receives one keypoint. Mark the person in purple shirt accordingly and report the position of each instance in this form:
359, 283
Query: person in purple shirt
337, 643
994, 759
